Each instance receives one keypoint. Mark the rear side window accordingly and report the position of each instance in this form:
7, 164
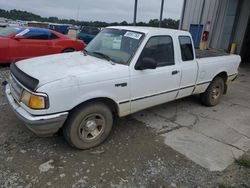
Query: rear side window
160, 49
94, 31
187, 53
85, 30
90, 30
37, 35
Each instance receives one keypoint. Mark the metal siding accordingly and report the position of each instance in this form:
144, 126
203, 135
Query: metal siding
228, 24
219, 24
212, 16
241, 26
221, 14
191, 14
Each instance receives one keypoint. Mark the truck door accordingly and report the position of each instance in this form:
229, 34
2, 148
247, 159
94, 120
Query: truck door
155, 86
189, 66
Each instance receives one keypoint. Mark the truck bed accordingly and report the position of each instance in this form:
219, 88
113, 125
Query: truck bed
209, 53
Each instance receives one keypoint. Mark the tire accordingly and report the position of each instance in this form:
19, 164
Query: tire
88, 125
68, 50
213, 93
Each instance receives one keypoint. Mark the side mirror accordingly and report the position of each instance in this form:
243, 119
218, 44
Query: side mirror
19, 37
146, 63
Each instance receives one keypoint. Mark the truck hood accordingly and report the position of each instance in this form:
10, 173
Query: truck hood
52, 68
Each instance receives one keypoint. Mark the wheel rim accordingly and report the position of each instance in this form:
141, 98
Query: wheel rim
216, 92
91, 127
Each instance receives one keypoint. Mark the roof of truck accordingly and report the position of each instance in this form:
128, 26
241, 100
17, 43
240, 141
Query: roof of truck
151, 30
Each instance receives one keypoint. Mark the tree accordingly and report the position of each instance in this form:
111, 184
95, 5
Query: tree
28, 16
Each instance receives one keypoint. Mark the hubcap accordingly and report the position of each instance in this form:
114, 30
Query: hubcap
216, 92
91, 127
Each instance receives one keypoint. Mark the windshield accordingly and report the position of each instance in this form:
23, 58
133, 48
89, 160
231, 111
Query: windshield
118, 45
10, 30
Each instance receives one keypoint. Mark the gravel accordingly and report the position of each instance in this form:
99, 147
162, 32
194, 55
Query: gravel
4, 74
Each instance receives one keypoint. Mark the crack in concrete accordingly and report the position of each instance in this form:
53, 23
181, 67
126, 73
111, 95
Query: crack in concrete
231, 145
218, 120
165, 118
236, 104
168, 131
197, 119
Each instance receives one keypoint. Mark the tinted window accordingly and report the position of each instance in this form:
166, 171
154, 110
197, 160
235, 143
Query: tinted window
187, 53
90, 30
85, 30
160, 49
37, 34
94, 31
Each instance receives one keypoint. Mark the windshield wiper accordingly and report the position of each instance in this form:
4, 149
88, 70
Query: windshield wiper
105, 57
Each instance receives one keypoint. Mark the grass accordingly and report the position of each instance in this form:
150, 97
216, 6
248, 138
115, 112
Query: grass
243, 162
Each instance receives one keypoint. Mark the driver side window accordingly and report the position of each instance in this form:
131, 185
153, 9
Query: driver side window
160, 49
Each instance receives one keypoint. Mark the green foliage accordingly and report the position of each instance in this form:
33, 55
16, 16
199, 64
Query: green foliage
27, 16
243, 162
19, 15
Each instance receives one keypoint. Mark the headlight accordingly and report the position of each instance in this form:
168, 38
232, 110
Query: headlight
34, 101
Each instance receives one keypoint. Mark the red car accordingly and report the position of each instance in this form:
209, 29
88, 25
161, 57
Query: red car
22, 43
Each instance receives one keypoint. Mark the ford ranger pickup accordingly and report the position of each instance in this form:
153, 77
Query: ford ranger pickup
123, 70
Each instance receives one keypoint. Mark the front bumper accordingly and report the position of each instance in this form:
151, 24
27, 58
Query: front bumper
45, 125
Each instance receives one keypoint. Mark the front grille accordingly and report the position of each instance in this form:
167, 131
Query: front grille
15, 88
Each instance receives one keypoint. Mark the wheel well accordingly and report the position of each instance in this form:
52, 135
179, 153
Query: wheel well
69, 49
224, 76
107, 101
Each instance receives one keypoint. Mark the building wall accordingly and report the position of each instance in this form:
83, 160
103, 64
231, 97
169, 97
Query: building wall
242, 21
224, 24
193, 12
221, 15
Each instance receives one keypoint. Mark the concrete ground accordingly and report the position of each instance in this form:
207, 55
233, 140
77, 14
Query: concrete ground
178, 144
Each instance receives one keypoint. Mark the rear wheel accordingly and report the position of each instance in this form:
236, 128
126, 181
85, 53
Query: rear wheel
68, 50
214, 92
88, 126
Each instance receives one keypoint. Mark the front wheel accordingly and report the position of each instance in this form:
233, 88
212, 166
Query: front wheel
88, 125
214, 92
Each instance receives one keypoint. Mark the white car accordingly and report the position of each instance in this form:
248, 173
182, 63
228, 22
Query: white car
82, 92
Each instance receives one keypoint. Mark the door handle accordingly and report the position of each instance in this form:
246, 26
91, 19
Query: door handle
175, 72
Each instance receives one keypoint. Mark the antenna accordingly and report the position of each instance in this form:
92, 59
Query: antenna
135, 12
162, 6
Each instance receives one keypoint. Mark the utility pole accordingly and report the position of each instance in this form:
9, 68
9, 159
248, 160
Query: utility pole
162, 5
135, 12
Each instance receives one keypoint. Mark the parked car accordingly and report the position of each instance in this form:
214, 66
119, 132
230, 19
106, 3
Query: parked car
17, 43
122, 71
61, 28
3, 22
88, 33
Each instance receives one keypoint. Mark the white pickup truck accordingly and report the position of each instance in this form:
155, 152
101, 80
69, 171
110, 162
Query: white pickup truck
123, 70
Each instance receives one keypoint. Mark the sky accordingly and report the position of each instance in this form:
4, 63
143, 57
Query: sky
97, 10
